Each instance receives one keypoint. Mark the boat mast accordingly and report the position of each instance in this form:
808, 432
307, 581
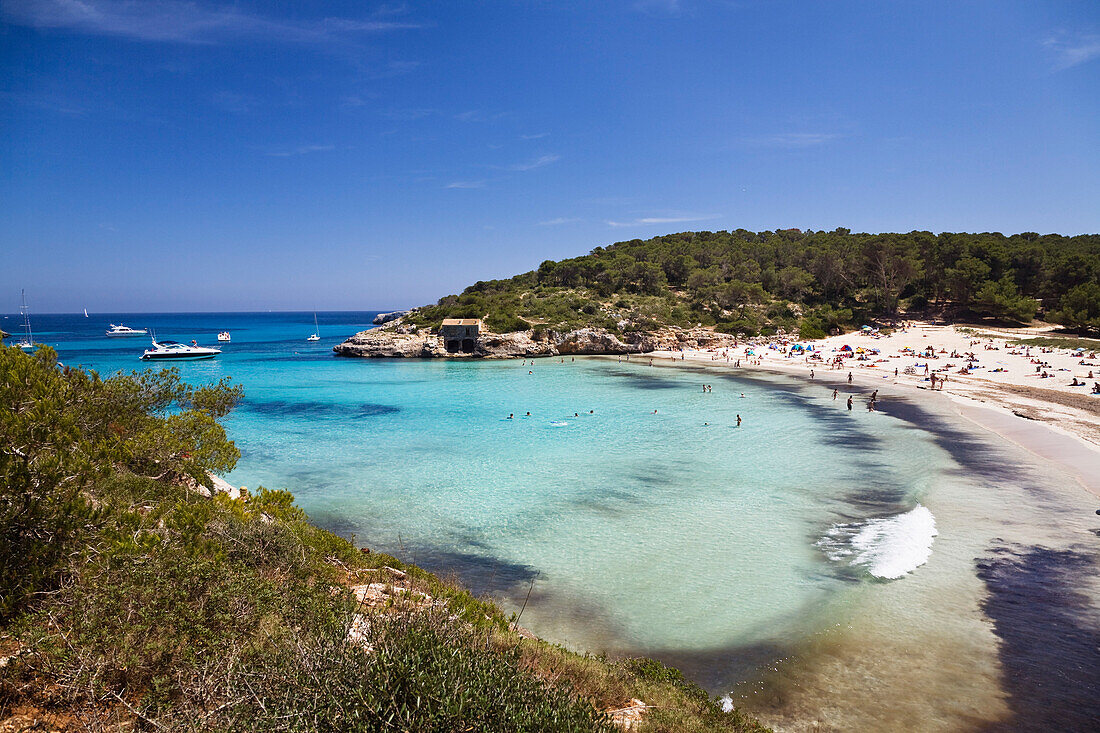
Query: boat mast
26, 317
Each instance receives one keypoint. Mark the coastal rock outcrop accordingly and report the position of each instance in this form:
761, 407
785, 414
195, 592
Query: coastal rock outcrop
396, 340
387, 317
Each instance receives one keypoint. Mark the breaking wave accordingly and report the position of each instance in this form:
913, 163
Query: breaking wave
887, 547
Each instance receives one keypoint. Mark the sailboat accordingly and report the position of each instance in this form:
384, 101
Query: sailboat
316, 330
28, 338
85, 312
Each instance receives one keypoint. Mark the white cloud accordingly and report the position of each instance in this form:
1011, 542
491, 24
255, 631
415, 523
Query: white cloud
558, 221
302, 150
536, 136
652, 220
536, 163
408, 115
182, 22
466, 184
792, 139
1072, 49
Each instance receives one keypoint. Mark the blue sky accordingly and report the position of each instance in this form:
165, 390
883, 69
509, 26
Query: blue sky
166, 155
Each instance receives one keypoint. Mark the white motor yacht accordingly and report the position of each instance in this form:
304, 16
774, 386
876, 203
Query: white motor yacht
224, 336
175, 351
121, 330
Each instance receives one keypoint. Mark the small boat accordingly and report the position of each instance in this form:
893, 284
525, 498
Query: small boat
85, 312
27, 343
121, 330
316, 330
175, 351
224, 336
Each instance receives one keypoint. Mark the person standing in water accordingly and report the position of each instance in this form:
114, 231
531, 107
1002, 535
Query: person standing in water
738, 421
849, 403
849, 377
836, 392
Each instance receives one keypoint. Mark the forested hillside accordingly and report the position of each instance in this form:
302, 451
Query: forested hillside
757, 282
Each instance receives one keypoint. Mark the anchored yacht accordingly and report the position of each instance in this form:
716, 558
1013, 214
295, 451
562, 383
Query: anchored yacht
175, 351
121, 330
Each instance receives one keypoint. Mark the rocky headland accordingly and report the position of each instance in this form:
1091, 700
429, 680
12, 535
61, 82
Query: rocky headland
396, 340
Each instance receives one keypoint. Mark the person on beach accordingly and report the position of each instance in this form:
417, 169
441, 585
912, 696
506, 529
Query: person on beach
933, 381
849, 377
836, 392
849, 403
811, 375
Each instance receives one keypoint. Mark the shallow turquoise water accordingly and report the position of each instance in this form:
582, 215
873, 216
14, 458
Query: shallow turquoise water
593, 497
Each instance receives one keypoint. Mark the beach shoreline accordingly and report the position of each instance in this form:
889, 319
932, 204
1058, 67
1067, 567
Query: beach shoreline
1055, 425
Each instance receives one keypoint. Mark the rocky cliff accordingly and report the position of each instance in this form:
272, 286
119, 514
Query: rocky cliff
398, 341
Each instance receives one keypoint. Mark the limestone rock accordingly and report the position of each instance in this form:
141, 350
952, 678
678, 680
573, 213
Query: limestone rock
398, 341
387, 317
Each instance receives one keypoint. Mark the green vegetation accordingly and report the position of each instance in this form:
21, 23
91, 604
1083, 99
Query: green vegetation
812, 282
128, 600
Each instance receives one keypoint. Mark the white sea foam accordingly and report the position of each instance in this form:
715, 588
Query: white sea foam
888, 547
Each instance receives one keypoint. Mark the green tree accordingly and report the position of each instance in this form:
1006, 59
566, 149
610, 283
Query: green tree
966, 278
1002, 299
62, 430
1080, 308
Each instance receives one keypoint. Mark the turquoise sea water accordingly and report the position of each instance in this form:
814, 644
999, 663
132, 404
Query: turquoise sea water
671, 533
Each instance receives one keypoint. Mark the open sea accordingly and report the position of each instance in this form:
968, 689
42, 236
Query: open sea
896, 570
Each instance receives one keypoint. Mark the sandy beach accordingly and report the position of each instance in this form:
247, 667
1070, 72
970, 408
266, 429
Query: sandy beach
1024, 393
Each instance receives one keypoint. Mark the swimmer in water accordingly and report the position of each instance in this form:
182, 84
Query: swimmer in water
654, 412
528, 415
738, 421
575, 415
742, 394
510, 416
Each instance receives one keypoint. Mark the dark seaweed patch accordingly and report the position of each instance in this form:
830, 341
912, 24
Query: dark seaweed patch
1050, 634
482, 574
317, 410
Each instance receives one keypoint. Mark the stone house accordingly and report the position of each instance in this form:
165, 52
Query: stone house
460, 334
